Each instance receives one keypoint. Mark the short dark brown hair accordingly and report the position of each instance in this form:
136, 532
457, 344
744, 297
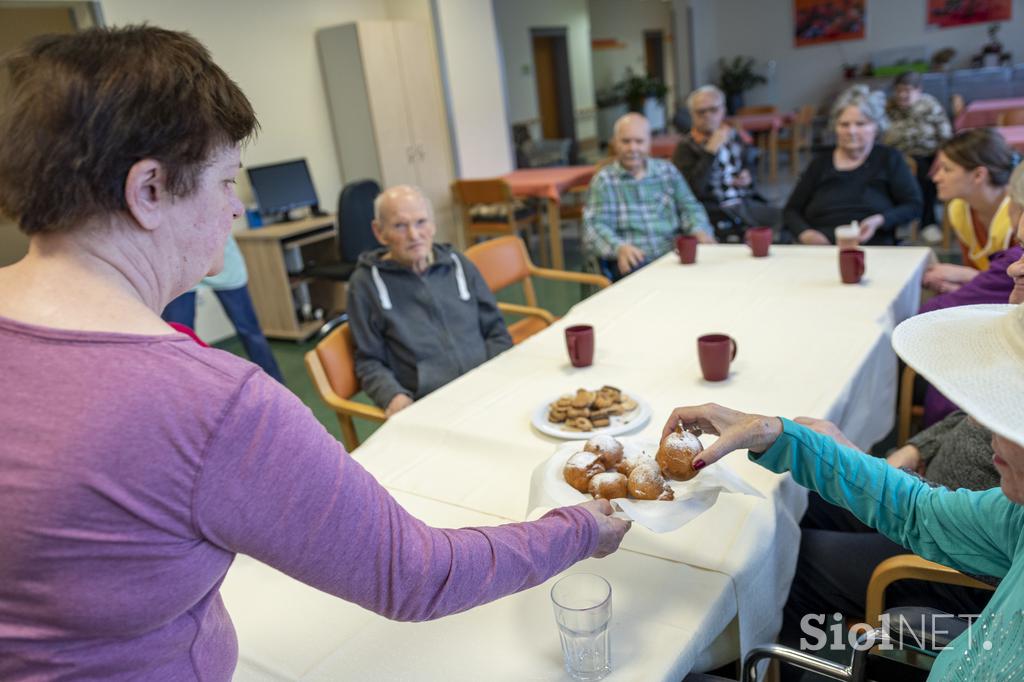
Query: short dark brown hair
982, 147
83, 108
911, 78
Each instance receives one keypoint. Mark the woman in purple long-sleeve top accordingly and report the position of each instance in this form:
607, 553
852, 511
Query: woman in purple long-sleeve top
1001, 282
135, 464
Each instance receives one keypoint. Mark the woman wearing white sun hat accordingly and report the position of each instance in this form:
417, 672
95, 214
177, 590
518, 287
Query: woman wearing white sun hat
978, 532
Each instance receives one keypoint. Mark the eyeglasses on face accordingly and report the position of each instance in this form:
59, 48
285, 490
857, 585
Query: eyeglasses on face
708, 110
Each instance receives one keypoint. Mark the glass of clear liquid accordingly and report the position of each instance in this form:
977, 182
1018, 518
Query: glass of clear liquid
583, 609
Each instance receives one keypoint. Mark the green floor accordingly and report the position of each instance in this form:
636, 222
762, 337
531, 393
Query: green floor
555, 296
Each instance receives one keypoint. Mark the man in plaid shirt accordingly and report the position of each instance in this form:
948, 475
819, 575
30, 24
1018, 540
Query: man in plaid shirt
638, 205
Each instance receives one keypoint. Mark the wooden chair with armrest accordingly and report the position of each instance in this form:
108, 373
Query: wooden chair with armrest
908, 627
910, 567
332, 368
488, 208
908, 414
503, 262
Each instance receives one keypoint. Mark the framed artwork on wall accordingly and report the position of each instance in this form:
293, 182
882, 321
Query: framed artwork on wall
826, 21
946, 13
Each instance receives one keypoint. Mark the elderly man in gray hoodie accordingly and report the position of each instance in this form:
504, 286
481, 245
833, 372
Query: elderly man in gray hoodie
420, 313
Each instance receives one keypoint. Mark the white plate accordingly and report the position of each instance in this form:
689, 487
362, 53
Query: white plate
625, 423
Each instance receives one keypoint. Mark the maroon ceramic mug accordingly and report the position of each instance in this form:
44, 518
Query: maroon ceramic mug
851, 265
579, 340
686, 247
716, 351
759, 239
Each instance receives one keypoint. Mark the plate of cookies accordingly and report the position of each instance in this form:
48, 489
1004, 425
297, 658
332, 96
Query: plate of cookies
650, 482
605, 410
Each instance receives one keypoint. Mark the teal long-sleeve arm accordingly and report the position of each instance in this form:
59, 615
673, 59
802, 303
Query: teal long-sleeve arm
977, 532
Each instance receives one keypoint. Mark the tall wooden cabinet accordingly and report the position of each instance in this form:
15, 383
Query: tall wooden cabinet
387, 110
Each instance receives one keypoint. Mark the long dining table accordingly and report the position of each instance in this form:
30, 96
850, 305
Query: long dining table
690, 599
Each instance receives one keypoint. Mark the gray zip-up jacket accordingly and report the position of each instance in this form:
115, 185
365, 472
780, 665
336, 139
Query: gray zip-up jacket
415, 333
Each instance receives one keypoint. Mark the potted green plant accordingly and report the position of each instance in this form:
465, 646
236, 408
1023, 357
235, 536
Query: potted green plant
736, 77
639, 88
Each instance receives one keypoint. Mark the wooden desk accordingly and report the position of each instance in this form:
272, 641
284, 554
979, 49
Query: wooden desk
272, 288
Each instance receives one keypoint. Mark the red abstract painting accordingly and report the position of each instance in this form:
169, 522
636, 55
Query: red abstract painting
959, 12
825, 21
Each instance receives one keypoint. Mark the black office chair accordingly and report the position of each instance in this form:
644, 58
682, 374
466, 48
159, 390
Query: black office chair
355, 231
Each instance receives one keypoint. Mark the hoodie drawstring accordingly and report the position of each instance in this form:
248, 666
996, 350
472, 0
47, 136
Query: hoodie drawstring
460, 279
382, 290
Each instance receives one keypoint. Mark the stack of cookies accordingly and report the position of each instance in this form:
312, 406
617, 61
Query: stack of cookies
589, 410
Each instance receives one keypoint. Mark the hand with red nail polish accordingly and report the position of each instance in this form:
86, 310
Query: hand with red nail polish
735, 430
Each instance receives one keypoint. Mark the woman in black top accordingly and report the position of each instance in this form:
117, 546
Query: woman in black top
857, 180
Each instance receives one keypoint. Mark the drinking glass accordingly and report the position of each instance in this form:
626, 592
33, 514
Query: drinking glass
583, 609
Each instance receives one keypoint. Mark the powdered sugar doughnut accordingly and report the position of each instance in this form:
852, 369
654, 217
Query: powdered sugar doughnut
646, 483
675, 456
580, 468
607, 448
630, 462
608, 485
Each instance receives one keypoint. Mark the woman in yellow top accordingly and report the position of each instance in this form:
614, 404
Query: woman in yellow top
972, 171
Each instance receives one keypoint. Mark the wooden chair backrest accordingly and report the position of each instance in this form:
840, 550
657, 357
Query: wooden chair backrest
473, 192
502, 261
337, 355
804, 115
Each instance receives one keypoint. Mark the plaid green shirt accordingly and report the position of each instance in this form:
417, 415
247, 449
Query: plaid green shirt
647, 213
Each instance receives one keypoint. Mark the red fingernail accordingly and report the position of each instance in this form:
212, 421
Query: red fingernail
698, 465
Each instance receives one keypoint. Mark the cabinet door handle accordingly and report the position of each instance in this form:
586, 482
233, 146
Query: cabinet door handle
420, 154
410, 153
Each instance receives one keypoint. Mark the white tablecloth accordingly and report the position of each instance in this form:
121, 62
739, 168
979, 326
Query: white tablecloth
808, 345
289, 631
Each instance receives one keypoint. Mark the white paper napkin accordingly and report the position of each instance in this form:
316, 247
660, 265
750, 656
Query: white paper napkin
548, 489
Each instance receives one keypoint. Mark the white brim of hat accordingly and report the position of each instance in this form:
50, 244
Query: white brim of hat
974, 355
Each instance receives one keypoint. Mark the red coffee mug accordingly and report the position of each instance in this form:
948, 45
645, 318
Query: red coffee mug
579, 340
759, 239
686, 247
851, 265
716, 351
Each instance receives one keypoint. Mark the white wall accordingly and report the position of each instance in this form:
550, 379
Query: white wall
808, 75
626, 22
682, 48
269, 49
481, 139
514, 20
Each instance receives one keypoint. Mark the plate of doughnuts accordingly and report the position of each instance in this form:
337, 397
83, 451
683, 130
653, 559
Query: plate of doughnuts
587, 412
650, 482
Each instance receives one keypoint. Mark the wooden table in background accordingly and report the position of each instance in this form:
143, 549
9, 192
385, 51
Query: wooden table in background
983, 113
549, 184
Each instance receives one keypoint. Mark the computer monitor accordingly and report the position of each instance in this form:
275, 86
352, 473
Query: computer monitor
282, 187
